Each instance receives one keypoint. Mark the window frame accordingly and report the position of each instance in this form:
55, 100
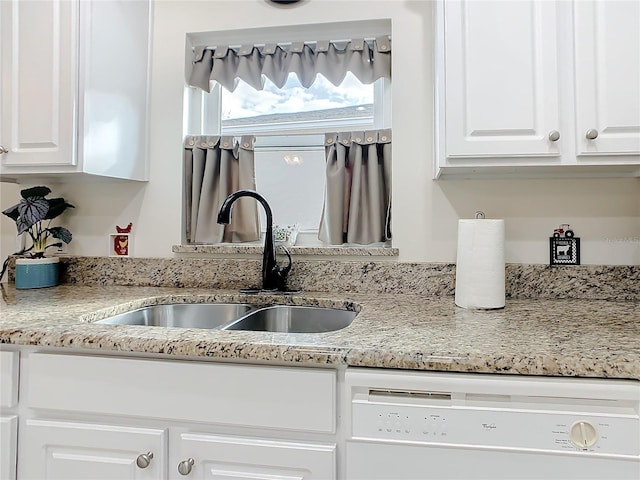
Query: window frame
203, 111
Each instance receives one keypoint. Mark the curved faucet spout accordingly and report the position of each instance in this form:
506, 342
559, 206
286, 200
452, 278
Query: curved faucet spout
273, 276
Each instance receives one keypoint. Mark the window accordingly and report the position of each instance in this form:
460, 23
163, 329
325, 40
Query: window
290, 166
289, 125
290, 110
319, 108
295, 190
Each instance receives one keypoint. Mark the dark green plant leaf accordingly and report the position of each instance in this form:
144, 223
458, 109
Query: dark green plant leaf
22, 225
56, 207
35, 192
60, 233
12, 212
33, 209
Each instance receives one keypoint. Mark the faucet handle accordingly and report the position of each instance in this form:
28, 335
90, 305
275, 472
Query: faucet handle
285, 270
279, 273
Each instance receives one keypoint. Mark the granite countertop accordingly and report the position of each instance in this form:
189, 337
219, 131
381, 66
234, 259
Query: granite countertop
589, 338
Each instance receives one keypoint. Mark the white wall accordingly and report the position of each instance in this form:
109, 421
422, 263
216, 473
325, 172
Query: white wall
605, 213
9, 196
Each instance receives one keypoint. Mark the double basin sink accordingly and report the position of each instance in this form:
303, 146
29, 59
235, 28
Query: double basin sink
232, 316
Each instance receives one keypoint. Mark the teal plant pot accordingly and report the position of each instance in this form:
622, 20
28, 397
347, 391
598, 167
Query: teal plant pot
37, 272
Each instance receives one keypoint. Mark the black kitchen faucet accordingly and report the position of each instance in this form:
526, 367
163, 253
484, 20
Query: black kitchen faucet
274, 277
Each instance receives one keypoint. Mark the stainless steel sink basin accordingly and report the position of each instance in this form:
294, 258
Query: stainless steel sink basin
182, 315
294, 319
237, 316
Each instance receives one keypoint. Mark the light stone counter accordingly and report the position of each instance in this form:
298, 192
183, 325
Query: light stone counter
590, 338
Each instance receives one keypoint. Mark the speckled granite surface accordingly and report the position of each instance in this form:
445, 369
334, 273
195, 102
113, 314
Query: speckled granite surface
325, 275
590, 338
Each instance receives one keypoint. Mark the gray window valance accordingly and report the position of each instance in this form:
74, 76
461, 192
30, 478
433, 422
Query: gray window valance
368, 60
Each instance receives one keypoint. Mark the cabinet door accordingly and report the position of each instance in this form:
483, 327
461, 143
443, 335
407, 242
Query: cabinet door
607, 78
9, 441
227, 457
68, 451
39, 72
501, 78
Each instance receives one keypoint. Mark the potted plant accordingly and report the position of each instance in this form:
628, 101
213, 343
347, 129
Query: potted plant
33, 215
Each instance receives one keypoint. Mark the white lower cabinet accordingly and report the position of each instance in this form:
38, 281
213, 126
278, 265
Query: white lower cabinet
98, 417
207, 456
9, 361
54, 449
9, 379
9, 444
67, 450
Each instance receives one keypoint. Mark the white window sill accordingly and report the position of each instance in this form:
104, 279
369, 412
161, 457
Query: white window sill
240, 249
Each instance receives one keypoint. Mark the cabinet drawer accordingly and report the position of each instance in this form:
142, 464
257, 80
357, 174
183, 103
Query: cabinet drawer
293, 398
9, 379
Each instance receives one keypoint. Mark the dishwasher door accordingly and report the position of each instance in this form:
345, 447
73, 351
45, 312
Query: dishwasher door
430, 425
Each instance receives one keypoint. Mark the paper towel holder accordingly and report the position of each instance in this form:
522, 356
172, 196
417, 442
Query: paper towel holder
480, 268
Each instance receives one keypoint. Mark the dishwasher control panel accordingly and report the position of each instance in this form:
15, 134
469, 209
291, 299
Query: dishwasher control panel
582, 417
497, 427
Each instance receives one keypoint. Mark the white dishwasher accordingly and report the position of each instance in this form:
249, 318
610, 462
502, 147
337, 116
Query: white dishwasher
404, 425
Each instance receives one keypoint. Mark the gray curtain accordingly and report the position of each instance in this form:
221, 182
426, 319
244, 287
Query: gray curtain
215, 167
367, 60
357, 204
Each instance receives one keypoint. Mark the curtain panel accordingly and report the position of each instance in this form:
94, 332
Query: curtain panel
367, 60
357, 205
215, 167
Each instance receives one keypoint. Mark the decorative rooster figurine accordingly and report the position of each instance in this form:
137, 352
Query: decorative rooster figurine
126, 229
121, 242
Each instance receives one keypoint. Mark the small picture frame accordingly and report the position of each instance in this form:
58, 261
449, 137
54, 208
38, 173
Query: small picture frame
564, 251
119, 245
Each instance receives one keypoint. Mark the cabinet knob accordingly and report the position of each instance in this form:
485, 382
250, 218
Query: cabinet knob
592, 134
144, 459
3, 150
554, 135
185, 466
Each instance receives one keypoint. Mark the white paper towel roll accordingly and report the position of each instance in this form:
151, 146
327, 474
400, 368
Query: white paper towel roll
480, 264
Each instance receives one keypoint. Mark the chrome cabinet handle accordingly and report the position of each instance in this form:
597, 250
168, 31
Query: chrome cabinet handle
3, 150
592, 134
185, 466
144, 459
554, 135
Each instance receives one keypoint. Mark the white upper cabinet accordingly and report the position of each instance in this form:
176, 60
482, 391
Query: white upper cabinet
502, 81
74, 89
519, 84
607, 77
39, 80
